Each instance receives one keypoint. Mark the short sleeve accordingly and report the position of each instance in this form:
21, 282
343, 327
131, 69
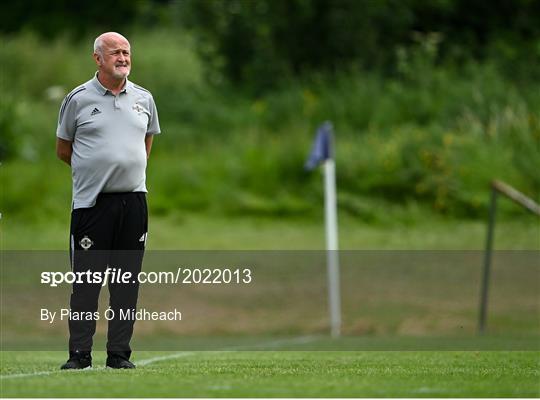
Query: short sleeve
153, 122
67, 119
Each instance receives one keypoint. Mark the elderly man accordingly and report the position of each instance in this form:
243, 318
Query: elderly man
105, 131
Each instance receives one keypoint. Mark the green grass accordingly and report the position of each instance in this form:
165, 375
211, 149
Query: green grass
417, 231
283, 374
294, 373
329, 373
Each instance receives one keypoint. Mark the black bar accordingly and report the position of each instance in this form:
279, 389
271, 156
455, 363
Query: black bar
484, 289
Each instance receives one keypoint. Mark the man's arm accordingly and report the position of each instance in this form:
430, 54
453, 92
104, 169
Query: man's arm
64, 149
148, 144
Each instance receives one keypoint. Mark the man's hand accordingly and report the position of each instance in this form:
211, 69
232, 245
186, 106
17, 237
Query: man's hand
64, 150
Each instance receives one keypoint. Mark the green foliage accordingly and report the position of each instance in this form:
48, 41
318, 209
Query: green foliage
63, 16
260, 43
431, 135
8, 128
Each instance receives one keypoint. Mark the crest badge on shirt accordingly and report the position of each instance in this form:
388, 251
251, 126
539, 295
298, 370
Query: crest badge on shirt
137, 107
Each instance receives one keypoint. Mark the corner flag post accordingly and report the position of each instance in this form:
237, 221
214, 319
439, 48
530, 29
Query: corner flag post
323, 152
330, 206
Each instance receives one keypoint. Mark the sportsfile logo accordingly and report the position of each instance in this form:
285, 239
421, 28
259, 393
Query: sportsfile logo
111, 275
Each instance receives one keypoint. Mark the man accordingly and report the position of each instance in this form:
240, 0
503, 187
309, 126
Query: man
105, 131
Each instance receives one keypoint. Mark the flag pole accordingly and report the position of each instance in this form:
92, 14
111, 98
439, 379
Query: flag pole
323, 153
330, 211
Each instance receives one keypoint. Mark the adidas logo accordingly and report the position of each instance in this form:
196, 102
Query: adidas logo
95, 111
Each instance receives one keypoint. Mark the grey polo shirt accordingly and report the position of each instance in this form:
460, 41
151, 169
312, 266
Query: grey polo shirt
108, 132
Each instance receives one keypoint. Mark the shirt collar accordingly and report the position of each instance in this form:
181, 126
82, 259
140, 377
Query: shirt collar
103, 90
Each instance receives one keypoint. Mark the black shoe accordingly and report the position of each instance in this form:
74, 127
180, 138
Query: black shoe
78, 360
119, 363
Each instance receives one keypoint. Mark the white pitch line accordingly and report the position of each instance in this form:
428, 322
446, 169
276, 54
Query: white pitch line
56, 371
142, 363
269, 344
28, 374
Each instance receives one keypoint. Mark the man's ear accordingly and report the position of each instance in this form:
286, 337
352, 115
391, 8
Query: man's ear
97, 59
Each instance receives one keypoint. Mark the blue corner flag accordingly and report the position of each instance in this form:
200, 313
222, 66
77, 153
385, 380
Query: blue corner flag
322, 147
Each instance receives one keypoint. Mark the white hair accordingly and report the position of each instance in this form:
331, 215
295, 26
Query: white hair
98, 43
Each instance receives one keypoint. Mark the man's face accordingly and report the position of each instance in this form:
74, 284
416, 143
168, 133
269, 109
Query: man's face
115, 58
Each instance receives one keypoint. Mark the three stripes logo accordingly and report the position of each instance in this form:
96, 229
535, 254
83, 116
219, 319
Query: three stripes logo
143, 238
95, 111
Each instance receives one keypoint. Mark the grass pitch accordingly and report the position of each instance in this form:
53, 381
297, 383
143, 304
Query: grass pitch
280, 374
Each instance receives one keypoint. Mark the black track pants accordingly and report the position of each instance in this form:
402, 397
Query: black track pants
110, 234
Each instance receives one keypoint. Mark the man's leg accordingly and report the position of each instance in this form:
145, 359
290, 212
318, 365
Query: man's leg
91, 237
130, 241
